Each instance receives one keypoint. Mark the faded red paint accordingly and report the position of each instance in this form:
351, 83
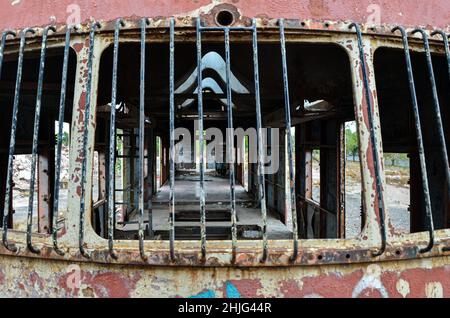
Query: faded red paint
248, 288
36, 281
329, 286
406, 12
102, 284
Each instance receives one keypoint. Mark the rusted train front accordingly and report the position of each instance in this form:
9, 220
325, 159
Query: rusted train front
225, 149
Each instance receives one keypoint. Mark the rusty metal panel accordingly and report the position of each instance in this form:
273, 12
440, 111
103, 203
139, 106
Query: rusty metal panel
398, 270
401, 279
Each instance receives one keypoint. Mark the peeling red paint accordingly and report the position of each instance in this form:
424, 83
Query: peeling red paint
103, 284
407, 12
248, 288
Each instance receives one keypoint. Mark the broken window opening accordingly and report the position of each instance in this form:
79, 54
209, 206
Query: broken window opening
329, 102
402, 162
47, 142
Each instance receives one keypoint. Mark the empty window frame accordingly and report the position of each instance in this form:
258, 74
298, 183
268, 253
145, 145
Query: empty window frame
318, 81
404, 175
23, 198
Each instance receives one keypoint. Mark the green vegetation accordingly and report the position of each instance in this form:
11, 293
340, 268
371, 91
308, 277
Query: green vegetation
351, 141
65, 139
394, 159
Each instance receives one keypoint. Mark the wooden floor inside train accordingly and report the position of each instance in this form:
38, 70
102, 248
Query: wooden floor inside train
218, 212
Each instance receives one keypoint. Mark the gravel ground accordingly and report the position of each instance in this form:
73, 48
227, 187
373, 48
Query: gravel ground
398, 203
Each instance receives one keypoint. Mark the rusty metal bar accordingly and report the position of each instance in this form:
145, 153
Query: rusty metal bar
374, 141
200, 138
12, 143
172, 140
144, 22
287, 105
446, 46
62, 105
447, 55
421, 148
2, 48
87, 115
112, 142
440, 128
37, 118
230, 146
260, 173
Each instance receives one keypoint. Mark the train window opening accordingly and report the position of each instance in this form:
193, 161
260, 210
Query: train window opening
324, 80
407, 183
46, 140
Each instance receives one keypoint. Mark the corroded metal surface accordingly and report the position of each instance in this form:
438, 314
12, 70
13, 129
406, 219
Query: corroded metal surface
405, 12
247, 253
43, 278
327, 268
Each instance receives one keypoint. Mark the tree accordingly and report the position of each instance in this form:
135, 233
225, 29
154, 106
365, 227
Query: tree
351, 140
395, 158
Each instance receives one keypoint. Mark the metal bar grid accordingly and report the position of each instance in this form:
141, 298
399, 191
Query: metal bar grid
37, 117
226, 31
420, 143
12, 142
230, 138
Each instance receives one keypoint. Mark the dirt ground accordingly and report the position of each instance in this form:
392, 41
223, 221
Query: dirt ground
397, 196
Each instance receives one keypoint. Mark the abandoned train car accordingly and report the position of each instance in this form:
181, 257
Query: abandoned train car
146, 142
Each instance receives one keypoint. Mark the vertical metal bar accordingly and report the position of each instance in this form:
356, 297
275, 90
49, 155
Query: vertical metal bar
421, 148
440, 127
172, 139
374, 141
260, 173
446, 47
37, 117
230, 146
289, 141
447, 54
87, 117
200, 138
62, 105
144, 22
2, 48
12, 142
112, 141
